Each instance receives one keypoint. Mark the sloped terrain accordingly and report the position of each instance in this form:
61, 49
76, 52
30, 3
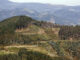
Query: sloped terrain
23, 38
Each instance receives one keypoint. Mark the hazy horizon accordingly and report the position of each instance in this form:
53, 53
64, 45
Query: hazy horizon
54, 2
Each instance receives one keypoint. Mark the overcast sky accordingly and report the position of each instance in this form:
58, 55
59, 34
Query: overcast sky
62, 2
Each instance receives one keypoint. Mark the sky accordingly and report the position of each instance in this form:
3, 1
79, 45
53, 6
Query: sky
62, 2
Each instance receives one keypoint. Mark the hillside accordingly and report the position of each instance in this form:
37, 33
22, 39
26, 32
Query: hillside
20, 28
24, 38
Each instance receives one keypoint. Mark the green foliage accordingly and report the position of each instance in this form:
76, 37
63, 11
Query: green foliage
37, 37
23, 54
34, 28
51, 33
30, 55
57, 47
66, 48
72, 48
60, 58
10, 57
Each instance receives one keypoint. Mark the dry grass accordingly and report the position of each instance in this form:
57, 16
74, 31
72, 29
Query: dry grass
30, 48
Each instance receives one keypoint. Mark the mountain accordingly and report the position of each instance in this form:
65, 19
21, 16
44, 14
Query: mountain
60, 14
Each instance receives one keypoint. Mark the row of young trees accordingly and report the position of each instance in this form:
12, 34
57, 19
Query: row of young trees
70, 32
